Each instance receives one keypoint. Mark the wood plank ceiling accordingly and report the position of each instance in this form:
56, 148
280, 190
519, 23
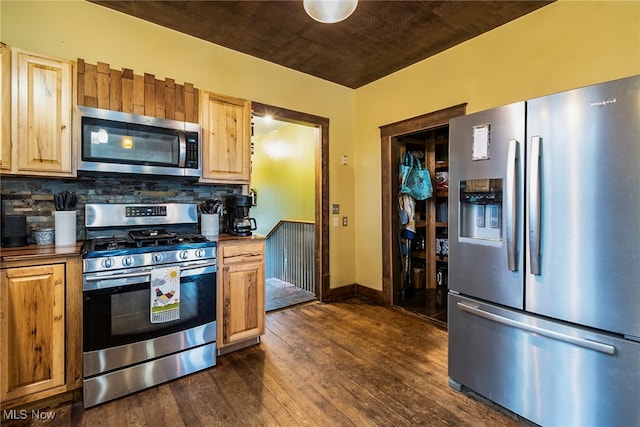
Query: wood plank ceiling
379, 38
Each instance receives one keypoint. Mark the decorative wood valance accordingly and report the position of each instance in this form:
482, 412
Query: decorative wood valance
102, 87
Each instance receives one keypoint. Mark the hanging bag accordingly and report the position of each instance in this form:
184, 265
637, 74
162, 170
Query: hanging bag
405, 169
403, 216
418, 181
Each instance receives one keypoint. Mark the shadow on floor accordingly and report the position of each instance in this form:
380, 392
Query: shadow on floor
280, 294
428, 303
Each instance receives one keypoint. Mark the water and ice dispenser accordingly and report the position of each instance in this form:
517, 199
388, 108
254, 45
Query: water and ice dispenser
481, 211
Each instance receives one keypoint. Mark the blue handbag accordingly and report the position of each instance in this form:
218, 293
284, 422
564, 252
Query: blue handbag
417, 182
404, 170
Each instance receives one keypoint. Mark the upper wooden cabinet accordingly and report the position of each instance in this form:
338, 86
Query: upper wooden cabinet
226, 139
41, 94
5, 107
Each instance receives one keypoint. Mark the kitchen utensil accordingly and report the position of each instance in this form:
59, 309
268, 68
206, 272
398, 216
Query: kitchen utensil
65, 201
210, 206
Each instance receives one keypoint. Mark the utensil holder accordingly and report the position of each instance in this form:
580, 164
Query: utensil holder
65, 228
210, 224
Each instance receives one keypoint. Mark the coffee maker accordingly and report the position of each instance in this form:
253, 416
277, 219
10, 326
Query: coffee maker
238, 222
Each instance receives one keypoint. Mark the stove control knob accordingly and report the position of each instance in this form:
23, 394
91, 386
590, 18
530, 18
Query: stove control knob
107, 262
127, 261
157, 257
184, 255
200, 253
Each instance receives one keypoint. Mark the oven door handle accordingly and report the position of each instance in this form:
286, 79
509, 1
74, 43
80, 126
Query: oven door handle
186, 270
196, 265
118, 276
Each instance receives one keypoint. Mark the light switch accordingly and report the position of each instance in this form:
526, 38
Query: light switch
335, 209
345, 160
345, 221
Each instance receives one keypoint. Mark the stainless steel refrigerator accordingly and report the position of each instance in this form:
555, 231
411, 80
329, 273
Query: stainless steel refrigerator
544, 256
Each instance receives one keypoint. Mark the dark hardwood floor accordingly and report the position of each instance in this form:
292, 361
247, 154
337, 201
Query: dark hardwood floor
425, 302
338, 364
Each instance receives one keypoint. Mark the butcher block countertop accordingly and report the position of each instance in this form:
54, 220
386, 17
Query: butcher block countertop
229, 238
23, 253
39, 251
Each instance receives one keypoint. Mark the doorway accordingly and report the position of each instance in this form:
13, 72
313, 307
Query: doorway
415, 289
296, 125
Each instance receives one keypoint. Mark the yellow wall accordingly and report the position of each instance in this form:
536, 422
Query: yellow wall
78, 29
561, 46
283, 175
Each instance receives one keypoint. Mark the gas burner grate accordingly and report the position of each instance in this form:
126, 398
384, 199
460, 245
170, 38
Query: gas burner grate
158, 234
146, 238
109, 243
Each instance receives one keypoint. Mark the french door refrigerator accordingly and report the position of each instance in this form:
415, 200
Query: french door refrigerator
544, 256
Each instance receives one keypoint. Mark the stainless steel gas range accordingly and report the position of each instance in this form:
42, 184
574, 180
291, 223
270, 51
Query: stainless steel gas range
149, 298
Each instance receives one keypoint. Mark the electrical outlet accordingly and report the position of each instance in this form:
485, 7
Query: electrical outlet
335, 209
336, 222
344, 160
345, 221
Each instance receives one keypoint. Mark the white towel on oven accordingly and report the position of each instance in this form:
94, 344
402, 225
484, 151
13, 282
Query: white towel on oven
165, 294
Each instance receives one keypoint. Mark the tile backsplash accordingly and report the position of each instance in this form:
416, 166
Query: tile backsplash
33, 197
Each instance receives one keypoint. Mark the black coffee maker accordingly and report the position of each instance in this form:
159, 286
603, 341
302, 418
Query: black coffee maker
238, 222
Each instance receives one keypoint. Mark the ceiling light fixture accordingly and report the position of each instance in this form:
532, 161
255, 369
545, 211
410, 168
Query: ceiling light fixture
329, 11
126, 142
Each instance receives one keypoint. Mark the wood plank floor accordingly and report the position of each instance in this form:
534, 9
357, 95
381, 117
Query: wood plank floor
280, 294
346, 363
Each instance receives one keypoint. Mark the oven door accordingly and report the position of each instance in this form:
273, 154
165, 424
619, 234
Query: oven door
117, 327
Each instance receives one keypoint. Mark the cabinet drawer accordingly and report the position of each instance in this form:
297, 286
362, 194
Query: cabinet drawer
242, 253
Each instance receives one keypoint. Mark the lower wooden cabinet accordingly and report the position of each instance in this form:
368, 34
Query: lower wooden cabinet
241, 287
40, 311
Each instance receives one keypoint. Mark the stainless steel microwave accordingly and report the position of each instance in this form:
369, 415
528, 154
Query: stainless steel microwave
116, 142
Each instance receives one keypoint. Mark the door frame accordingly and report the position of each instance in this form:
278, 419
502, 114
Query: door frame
322, 274
390, 162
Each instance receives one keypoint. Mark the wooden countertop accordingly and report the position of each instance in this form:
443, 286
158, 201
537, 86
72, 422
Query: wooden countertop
39, 251
230, 238
47, 251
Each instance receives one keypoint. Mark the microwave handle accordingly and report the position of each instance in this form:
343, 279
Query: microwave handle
182, 140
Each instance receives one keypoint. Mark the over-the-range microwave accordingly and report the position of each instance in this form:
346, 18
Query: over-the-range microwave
117, 142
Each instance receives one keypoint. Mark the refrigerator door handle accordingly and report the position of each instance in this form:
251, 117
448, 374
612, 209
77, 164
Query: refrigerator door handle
534, 207
511, 200
582, 342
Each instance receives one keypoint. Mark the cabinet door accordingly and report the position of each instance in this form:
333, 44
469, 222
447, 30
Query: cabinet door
5, 107
226, 129
32, 323
42, 125
243, 302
